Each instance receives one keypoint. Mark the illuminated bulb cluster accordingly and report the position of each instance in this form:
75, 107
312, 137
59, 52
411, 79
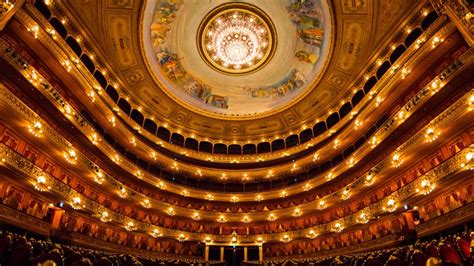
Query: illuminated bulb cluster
363, 218
396, 160
246, 219
70, 156
222, 219
234, 199
283, 193
338, 227
207, 240
321, 204
99, 178
104, 217
170, 211
123, 192
130, 226
345, 194
196, 216
425, 187
155, 233
312, 234
41, 183
259, 197
259, 240
76, 203
236, 40
391, 205
209, 196
297, 212
271, 217
36, 129
431, 135
181, 238
369, 179
469, 164
286, 238
146, 203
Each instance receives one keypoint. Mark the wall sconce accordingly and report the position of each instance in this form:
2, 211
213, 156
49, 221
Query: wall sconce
271, 217
36, 129
146, 203
283, 193
246, 219
363, 218
425, 187
286, 238
130, 226
123, 192
181, 238
396, 160
70, 156
104, 217
431, 135
222, 219
99, 178
155, 233
338, 227
345, 194
311, 234
41, 183
171, 211
208, 240
209, 196
297, 212
391, 205
321, 204
259, 197
196, 216
234, 199
259, 240
76, 203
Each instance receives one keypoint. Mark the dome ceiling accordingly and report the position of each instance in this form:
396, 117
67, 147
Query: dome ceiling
159, 64
228, 58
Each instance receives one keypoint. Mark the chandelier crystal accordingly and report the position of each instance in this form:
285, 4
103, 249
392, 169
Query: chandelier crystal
236, 38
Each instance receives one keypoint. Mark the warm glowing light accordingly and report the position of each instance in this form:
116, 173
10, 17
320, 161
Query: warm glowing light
396, 160
246, 219
41, 183
271, 217
286, 238
181, 238
196, 216
312, 234
259, 197
130, 226
156, 233
235, 40
104, 217
391, 205
338, 227
283, 193
170, 211
321, 204
425, 187
36, 129
297, 212
146, 203
70, 156
431, 135
221, 219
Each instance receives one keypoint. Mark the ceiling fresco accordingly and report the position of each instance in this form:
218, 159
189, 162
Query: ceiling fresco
152, 48
188, 73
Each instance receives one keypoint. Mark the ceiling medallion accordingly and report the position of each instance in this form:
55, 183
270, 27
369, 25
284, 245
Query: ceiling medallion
236, 38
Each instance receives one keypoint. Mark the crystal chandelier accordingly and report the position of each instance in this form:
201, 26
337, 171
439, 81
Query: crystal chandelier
236, 38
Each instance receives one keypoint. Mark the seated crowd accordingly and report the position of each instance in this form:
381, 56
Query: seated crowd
452, 249
20, 248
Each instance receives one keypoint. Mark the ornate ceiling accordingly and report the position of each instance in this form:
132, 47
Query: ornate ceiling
153, 47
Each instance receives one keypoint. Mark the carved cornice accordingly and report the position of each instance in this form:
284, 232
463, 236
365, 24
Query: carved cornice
26, 221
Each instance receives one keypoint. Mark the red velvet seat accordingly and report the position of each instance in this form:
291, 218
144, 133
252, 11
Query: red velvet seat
449, 254
464, 248
418, 258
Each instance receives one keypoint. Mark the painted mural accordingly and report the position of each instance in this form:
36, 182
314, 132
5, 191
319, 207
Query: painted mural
292, 82
304, 25
165, 13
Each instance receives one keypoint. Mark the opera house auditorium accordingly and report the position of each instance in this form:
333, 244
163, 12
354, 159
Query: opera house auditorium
246, 132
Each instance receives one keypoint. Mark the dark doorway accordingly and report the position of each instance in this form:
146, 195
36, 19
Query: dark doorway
234, 255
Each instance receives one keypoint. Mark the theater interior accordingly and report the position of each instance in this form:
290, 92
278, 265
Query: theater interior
250, 132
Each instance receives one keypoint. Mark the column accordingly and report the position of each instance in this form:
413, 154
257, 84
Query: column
206, 254
222, 254
245, 254
260, 254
